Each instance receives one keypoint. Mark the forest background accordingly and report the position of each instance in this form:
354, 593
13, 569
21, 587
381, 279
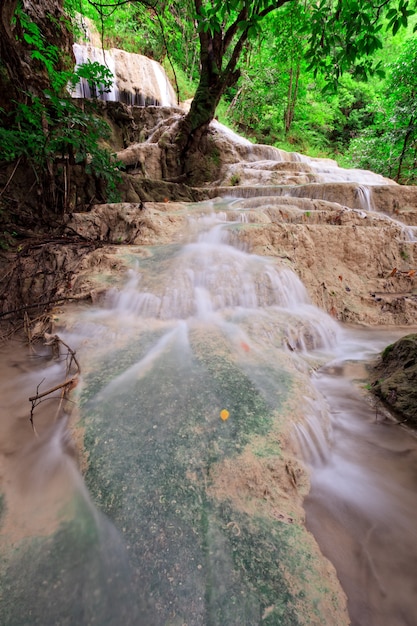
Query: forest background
281, 98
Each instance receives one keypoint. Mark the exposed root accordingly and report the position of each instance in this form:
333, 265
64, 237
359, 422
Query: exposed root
38, 276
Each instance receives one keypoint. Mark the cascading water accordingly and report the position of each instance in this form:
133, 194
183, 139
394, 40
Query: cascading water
363, 498
137, 80
191, 369
188, 369
197, 387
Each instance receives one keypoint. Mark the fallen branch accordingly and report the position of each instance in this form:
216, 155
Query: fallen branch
45, 303
69, 383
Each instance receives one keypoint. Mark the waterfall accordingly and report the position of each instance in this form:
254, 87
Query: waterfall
137, 80
209, 402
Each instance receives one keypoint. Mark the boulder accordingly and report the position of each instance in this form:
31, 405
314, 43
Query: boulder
394, 378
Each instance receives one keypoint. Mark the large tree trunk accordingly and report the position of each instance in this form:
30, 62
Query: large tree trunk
14, 62
202, 110
20, 73
220, 50
214, 80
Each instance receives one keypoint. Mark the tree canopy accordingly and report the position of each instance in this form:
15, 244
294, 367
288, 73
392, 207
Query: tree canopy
340, 36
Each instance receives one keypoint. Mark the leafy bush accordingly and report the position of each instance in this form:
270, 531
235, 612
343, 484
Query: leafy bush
389, 146
50, 129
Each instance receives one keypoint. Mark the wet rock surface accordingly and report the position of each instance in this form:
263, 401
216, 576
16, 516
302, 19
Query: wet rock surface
357, 265
394, 378
349, 234
208, 511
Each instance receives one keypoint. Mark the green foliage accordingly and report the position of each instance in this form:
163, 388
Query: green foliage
46, 53
52, 129
389, 146
277, 100
98, 77
302, 49
350, 34
386, 351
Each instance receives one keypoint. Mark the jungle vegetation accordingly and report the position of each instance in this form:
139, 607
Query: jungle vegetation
329, 77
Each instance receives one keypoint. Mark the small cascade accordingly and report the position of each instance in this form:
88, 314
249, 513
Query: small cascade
313, 437
370, 199
363, 495
255, 165
410, 233
138, 81
365, 197
211, 278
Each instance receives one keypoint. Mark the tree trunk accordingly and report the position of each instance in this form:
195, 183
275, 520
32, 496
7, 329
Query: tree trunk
20, 73
214, 79
203, 107
14, 65
291, 98
407, 136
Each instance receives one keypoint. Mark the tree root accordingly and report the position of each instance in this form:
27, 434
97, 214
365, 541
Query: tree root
70, 382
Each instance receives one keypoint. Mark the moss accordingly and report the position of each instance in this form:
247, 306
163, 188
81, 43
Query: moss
152, 446
79, 575
394, 378
153, 439
385, 353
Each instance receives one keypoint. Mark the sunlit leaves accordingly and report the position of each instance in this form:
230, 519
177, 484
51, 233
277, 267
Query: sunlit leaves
217, 16
340, 39
390, 146
398, 16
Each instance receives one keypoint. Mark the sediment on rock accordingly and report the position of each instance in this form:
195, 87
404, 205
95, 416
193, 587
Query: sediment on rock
394, 378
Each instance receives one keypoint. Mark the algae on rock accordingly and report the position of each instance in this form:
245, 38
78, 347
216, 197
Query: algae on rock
394, 378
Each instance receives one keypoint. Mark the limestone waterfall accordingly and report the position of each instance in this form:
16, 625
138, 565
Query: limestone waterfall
138, 80
219, 461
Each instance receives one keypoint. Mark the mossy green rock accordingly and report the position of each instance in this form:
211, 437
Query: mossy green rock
395, 378
158, 451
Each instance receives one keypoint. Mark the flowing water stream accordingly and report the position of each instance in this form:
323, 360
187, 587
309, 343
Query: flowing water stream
362, 504
202, 371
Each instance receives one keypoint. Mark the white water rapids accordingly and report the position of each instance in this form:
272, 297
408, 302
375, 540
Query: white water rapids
137, 80
197, 328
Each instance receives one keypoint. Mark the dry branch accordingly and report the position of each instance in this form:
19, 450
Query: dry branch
70, 381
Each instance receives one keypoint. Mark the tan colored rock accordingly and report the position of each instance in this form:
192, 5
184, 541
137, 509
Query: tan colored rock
143, 158
128, 223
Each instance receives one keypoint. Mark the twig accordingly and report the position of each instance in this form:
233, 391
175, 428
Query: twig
57, 340
69, 383
45, 303
11, 176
